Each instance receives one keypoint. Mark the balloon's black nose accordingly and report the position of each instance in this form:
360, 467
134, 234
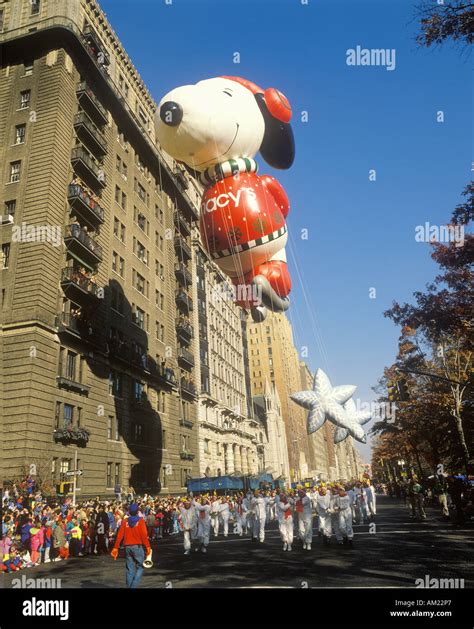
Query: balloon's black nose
171, 113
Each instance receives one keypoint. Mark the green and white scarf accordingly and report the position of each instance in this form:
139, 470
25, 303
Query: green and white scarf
229, 168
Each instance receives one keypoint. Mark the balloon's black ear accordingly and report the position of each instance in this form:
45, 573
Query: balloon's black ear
278, 145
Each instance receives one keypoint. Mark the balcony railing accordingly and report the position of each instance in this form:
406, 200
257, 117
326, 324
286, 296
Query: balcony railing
76, 237
90, 134
95, 45
79, 436
187, 456
183, 274
183, 250
89, 101
88, 167
185, 357
184, 330
188, 386
183, 300
70, 322
181, 179
85, 205
76, 284
182, 224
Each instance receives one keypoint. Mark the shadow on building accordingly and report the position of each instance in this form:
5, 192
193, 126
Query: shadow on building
110, 334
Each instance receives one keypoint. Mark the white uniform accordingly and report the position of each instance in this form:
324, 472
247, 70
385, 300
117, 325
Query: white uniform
362, 503
189, 521
351, 493
305, 521
203, 523
285, 522
324, 517
215, 508
370, 498
224, 515
344, 504
259, 506
240, 517
250, 515
334, 510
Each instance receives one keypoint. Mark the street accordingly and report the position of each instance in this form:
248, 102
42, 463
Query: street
399, 552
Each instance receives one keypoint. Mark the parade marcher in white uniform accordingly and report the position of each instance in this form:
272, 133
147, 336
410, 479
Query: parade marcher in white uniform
323, 503
352, 495
362, 502
334, 511
203, 511
343, 504
240, 511
250, 514
224, 515
215, 508
369, 490
305, 519
259, 506
285, 520
188, 523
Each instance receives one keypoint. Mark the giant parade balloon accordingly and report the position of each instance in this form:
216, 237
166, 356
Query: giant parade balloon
334, 404
215, 128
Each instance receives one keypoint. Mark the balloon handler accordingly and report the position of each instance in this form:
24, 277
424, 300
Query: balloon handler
135, 539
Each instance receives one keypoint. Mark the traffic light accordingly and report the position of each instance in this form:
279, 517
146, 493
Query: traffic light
64, 488
403, 390
392, 391
398, 391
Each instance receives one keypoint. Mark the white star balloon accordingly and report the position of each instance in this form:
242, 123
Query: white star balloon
361, 417
326, 402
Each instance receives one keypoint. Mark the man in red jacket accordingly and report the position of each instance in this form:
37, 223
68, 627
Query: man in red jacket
134, 535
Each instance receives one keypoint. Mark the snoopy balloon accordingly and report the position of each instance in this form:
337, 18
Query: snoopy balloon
216, 127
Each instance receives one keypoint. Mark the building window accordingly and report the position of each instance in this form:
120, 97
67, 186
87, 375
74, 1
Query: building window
15, 170
207, 446
115, 384
117, 300
139, 317
109, 475
118, 264
117, 429
1, 19
35, 7
68, 415
5, 256
28, 68
71, 365
20, 132
117, 474
109, 426
138, 391
25, 99
10, 207
119, 229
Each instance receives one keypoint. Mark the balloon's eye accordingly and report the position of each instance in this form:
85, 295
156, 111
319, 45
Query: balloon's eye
228, 91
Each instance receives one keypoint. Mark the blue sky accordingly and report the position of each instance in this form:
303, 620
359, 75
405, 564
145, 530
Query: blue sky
361, 232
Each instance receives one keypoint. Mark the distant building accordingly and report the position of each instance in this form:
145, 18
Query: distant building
271, 444
274, 358
227, 430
